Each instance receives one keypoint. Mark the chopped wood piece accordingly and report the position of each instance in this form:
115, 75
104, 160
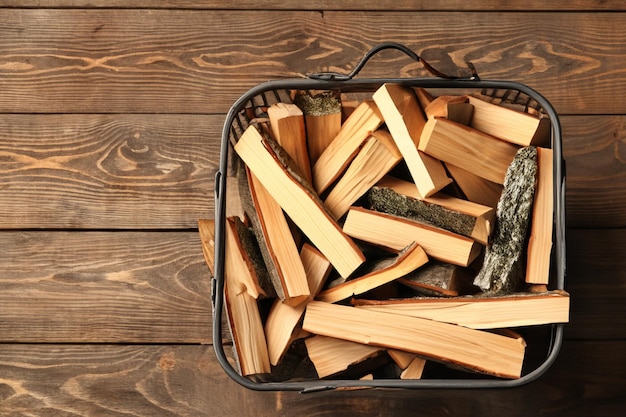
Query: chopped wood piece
287, 123
237, 255
252, 249
540, 239
299, 202
455, 108
439, 279
247, 332
317, 268
415, 369
322, 115
376, 158
331, 355
365, 119
240, 293
283, 319
510, 125
278, 247
405, 120
481, 312
503, 267
412, 366
206, 229
408, 260
398, 197
475, 151
401, 358
396, 233
475, 188
473, 349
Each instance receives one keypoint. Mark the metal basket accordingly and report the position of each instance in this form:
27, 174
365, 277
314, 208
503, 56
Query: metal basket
254, 103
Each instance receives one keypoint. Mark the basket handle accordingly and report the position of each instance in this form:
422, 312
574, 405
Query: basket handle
336, 76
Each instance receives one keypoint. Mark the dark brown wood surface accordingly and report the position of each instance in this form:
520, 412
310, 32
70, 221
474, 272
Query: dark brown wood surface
200, 61
97, 171
110, 122
414, 5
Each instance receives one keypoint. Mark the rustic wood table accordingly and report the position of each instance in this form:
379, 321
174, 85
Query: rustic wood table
110, 122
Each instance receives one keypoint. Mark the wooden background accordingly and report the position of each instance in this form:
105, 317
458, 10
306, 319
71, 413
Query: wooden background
110, 121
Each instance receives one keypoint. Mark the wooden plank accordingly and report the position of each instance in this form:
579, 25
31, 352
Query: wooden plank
133, 61
95, 287
595, 152
127, 60
596, 280
107, 171
113, 380
154, 287
156, 171
488, 5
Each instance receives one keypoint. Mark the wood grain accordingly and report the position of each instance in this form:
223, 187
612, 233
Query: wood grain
94, 287
595, 154
156, 171
107, 171
132, 61
596, 277
586, 379
154, 287
488, 5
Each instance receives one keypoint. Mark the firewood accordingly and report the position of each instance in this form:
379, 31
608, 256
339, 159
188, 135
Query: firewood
287, 123
503, 267
322, 115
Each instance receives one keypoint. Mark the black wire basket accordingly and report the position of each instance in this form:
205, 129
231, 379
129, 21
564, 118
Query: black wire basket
546, 341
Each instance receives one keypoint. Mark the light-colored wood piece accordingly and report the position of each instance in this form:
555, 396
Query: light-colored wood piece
206, 230
331, 355
407, 261
240, 293
283, 318
322, 116
321, 130
397, 233
236, 261
475, 188
365, 119
475, 349
540, 239
375, 159
299, 203
481, 312
287, 123
292, 285
405, 120
415, 369
401, 358
455, 108
513, 126
470, 149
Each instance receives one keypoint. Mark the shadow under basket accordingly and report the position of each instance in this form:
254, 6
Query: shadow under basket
543, 342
